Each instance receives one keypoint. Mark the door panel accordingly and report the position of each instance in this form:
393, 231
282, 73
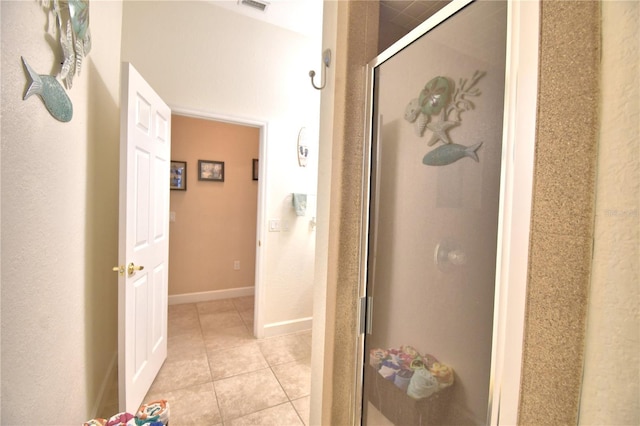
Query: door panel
140, 326
436, 160
159, 318
160, 197
141, 184
144, 239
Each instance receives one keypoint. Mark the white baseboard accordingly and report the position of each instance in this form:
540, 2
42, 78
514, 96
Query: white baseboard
287, 327
270, 330
206, 296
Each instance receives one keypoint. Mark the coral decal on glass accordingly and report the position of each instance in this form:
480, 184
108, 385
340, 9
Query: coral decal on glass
437, 109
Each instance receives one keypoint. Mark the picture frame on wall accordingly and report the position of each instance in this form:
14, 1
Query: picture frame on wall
211, 170
178, 175
255, 169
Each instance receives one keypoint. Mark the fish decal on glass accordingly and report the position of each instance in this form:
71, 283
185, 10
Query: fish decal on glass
450, 153
51, 92
437, 109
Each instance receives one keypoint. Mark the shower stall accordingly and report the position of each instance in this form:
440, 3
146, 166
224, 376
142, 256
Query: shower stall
434, 195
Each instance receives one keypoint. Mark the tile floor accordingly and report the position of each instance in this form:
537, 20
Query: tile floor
217, 373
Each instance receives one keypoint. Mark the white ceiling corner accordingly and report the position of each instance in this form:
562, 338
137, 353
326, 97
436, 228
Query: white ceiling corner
301, 16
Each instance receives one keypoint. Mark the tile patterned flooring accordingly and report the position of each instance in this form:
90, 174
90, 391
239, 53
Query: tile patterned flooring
217, 373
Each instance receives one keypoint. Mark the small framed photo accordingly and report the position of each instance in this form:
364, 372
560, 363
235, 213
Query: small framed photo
178, 175
211, 170
255, 169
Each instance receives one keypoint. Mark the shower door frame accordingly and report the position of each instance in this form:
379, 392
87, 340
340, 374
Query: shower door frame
519, 124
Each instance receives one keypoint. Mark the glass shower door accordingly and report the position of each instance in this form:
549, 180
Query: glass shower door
435, 165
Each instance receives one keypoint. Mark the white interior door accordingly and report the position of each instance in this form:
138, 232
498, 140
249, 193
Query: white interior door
145, 151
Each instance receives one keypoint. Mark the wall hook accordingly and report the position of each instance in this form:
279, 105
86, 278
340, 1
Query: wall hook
326, 60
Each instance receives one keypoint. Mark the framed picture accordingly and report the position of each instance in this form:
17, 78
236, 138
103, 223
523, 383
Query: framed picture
255, 169
178, 175
211, 170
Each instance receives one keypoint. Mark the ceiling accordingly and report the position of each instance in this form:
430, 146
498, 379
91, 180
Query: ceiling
398, 17
305, 16
301, 16
408, 14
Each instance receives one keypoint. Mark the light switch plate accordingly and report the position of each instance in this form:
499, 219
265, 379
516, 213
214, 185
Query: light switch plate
274, 225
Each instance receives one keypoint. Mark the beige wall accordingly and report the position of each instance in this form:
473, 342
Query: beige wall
215, 221
611, 395
59, 222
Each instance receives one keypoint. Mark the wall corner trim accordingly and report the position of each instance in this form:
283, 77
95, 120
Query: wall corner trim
288, 327
206, 296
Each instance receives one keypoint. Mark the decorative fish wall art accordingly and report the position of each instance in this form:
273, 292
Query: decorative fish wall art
438, 108
50, 91
450, 153
72, 18
72, 25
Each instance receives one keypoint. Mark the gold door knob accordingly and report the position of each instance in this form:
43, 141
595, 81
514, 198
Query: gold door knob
131, 268
118, 269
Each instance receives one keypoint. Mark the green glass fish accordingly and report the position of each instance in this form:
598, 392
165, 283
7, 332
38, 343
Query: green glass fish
450, 153
51, 92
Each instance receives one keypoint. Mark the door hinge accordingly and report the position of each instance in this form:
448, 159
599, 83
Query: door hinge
366, 311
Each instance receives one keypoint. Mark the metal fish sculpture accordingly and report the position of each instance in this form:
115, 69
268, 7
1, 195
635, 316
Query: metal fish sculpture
450, 153
51, 92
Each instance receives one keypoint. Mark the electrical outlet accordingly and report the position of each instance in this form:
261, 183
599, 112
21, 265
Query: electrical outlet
236, 265
172, 216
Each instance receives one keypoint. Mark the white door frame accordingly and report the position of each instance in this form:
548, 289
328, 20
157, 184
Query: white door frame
520, 120
261, 246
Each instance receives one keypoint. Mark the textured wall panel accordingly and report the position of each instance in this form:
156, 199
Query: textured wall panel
563, 210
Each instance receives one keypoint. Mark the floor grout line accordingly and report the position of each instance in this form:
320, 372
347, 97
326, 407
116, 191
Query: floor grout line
213, 384
236, 303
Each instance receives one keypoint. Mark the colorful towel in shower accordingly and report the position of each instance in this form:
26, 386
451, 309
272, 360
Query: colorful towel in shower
402, 379
422, 384
121, 419
95, 422
442, 373
410, 351
401, 365
388, 372
376, 356
153, 412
